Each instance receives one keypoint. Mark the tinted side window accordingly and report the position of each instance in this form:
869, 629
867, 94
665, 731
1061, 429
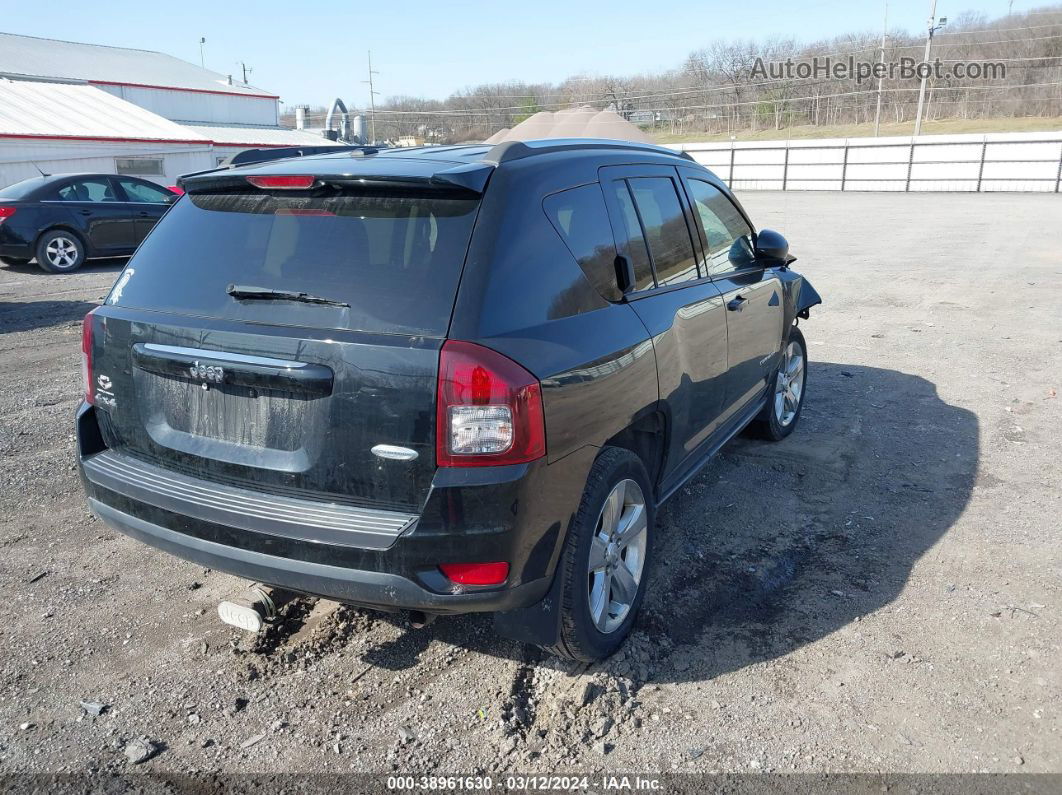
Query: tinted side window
729, 237
665, 229
633, 240
142, 192
580, 218
88, 190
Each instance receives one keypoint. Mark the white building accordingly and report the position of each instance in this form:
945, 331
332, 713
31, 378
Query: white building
67, 107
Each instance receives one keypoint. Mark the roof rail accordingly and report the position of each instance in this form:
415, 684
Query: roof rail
515, 150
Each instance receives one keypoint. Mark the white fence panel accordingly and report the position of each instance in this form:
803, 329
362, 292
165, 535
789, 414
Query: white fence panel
995, 161
880, 153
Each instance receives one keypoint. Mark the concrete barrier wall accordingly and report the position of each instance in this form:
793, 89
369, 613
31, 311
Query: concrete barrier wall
988, 162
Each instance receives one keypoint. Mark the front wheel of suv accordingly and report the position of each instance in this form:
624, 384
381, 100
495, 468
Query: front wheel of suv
786, 398
605, 564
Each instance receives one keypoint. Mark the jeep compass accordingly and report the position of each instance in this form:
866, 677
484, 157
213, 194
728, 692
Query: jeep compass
442, 380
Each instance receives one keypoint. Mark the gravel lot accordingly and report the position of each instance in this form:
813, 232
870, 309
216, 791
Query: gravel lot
880, 592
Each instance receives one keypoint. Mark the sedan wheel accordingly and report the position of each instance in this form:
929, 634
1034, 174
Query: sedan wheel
617, 556
60, 251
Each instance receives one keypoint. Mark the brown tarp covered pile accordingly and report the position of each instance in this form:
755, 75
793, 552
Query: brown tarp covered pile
584, 122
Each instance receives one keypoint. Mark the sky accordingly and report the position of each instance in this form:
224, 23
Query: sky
432, 49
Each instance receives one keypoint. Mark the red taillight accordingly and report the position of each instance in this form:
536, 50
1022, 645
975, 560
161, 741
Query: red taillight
287, 182
489, 409
7, 212
175, 189
86, 356
476, 573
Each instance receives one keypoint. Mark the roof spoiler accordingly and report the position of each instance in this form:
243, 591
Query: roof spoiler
255, 157
470, 178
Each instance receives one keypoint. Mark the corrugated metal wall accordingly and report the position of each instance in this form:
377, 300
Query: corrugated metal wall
18, 156
187, 106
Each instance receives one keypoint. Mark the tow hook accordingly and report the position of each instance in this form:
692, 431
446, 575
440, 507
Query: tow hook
253, 608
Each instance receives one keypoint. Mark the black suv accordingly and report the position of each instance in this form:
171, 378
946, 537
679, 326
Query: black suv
442, 380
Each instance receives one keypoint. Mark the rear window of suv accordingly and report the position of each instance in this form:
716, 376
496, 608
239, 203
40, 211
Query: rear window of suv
395, 259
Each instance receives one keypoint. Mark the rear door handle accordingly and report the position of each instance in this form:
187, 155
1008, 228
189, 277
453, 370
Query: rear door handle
736, 304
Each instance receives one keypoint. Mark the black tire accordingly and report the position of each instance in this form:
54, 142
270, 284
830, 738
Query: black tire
14, 261
60, 251
580, 638
768, 424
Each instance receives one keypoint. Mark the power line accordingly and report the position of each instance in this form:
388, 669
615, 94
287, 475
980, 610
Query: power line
803, 54
488, 113
979, 43
1001, 30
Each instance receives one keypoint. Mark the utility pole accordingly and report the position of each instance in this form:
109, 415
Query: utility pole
931, 29
372, 100
246, 70
881, 60
202, 41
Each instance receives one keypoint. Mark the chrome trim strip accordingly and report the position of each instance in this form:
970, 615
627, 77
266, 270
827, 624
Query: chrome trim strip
307, 520
223, 356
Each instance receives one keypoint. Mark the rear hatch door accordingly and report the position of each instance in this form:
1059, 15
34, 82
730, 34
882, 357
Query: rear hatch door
272, 339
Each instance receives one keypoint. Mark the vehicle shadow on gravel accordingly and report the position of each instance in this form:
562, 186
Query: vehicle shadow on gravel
775, 546
30, 315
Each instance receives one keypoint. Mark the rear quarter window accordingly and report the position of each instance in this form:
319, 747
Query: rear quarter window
581, 220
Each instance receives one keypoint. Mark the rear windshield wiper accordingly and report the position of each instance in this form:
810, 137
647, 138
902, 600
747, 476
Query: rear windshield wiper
247, 292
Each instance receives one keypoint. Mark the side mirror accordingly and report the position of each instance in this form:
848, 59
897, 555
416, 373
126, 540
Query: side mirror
771, 246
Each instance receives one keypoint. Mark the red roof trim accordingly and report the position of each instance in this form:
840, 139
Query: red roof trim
191, 90
115, 140
223, 145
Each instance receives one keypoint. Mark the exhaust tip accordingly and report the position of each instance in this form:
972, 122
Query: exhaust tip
419, 619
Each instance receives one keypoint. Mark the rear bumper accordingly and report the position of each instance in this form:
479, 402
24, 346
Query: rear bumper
13, 243
16, 251
354, 586
517, 514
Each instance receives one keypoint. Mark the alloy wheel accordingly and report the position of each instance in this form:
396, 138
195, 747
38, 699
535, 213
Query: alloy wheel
789, 388
617, 556
61, 252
